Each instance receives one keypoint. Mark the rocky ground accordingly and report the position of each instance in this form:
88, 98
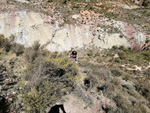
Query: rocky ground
110, 80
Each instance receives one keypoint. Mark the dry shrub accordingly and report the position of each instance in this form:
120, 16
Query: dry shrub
50, 76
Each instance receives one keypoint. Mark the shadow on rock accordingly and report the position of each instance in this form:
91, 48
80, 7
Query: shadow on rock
56, 108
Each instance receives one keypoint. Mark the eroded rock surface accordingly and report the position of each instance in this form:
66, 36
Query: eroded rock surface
30, 26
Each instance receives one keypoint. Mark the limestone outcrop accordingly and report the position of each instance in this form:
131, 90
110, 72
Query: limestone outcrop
30, 26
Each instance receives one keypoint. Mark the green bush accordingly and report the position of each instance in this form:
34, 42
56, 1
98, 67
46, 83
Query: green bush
18, 49
8, 44
116, 81
49, 76
33, 52
122, 103
36, 46
2, 40
122, 55
146, 55
5, 43
30, 55
116, 72
40, 96
114, 47
126, 77
90, 53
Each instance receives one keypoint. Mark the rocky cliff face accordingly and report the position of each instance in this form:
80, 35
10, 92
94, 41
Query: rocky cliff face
30, 26
3, 1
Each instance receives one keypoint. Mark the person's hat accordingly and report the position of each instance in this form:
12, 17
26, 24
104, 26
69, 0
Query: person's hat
74, 52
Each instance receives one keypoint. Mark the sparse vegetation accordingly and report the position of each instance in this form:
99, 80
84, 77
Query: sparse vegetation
40, 78
46, 78
52, 76
9, 45
114, 81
